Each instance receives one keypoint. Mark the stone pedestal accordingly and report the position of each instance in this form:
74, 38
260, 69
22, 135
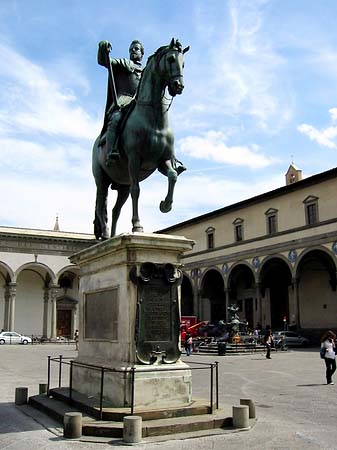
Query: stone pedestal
109, 322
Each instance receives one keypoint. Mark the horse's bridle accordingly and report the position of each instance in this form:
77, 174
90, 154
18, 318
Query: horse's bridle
158, 57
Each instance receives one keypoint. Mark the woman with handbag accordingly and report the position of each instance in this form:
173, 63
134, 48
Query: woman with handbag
328, 350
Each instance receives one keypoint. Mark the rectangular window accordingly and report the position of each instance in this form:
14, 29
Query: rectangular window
312, 214
210, 240
238, 233
272, 224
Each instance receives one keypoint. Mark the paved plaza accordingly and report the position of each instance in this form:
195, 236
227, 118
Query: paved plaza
295, 408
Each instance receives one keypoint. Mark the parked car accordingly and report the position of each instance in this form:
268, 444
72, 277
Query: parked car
11, 337
289, 339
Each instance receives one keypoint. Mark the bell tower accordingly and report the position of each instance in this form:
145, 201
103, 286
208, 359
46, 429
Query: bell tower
293, 174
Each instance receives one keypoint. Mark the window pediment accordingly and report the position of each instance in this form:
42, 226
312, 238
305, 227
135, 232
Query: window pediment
310, 199
210, 230
271, 211
238, 221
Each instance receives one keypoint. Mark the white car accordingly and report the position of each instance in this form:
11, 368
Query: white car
290, 339
11, 337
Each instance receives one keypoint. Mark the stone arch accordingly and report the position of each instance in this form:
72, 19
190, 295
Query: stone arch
67, 300
268, 258
242, 291
6, 272
275, 279
39, 268
187, 308
72, 268
6, 278
316, 289
31, 313
213, 299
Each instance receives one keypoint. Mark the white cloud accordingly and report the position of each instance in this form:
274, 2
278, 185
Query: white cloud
212, 146
248, 74
324, 136
61, 160
333, 113
33, 100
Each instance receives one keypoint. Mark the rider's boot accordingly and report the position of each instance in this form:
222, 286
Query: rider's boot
111, 142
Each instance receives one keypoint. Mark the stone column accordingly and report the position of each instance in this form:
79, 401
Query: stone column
12, 298
7, 308
227, 303
259, 303
195, 301
295, 283
53, 293
45, 311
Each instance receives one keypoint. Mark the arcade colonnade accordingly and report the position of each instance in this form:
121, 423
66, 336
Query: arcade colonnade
274, 255
297, 289
39, 287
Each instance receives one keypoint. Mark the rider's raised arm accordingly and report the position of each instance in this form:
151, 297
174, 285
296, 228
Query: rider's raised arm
104, 48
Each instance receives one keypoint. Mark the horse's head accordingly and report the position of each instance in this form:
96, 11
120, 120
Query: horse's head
171, 65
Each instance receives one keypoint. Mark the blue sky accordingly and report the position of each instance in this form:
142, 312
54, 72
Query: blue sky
260, 90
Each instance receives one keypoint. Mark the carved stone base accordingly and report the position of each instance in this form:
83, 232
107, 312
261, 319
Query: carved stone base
155, 387
110, 317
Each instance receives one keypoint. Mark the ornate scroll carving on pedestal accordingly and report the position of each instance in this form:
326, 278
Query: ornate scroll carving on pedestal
157, 324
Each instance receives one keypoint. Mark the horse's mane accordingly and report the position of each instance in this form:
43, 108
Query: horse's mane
156, 57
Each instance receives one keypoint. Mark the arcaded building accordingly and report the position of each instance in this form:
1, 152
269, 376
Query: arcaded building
274, 255
39, 288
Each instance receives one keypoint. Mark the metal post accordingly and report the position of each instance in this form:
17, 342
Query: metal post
132, 389
71, 380
48, 376
60, 371
217, 384
101, 394
211, 410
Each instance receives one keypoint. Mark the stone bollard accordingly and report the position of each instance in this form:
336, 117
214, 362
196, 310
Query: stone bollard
249, 402
42, 388
21, 395
241, 416
132, 429
72, 425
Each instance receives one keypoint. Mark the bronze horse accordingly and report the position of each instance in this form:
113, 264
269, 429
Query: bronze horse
146, 141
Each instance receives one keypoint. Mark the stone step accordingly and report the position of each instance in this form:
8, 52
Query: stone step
162, 427
212, 348
54, 408
91, 407
150, 427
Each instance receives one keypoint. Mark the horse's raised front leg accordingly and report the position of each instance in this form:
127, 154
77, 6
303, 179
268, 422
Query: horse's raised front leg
101, 215
134, 167
122, 195
166, 205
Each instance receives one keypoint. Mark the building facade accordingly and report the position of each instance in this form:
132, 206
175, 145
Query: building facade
39, 289
274, 255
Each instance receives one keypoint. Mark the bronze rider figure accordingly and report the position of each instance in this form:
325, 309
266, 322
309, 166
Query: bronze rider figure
126, 75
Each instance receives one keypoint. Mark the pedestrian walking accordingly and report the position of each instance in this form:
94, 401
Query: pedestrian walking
188, 344
328, 345
76, 339
268, 341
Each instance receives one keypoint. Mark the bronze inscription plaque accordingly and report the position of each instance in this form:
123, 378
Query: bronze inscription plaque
157, 312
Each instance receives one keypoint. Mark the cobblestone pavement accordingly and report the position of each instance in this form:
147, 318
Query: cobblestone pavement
295, 408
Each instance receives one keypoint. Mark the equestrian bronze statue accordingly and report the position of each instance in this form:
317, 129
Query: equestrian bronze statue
143, 140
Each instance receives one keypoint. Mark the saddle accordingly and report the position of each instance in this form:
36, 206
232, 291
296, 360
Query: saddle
126, 111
